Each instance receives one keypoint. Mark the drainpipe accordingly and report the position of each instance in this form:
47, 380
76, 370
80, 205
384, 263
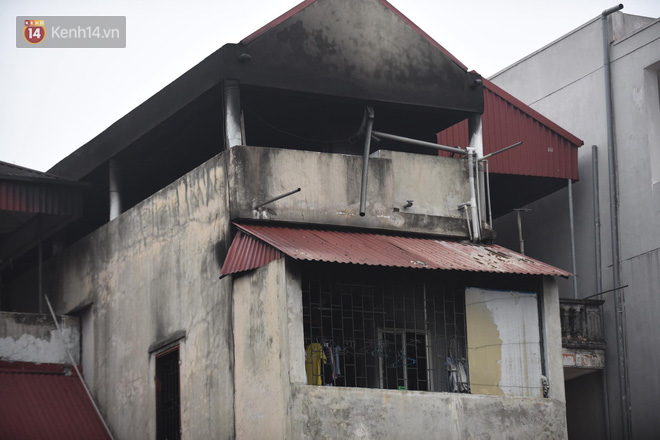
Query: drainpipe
475, 153
233, 131
475, 129
115, 188
572, 226
471, 157
365, 161
599, 277
619, 314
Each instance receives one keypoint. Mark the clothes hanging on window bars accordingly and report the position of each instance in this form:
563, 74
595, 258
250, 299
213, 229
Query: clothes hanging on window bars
314, 355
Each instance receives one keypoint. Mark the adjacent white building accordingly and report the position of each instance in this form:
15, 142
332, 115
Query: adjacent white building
565, 81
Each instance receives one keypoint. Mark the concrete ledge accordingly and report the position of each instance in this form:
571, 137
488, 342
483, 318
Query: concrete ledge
349, 413
28, 337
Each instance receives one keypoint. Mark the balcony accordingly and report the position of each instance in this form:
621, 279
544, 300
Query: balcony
405, 193
583, 345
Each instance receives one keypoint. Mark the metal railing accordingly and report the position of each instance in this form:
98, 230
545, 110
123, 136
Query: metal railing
581, 323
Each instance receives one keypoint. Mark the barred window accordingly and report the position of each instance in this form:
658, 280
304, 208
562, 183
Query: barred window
383, 328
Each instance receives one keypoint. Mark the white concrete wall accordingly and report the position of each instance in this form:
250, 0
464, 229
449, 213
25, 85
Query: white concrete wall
504, 343
26, 337
565, 82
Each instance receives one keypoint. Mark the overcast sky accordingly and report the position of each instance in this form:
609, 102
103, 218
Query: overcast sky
52, 101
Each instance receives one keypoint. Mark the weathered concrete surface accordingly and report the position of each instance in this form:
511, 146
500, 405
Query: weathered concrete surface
504, 350
273, 401
551, 327
26, 337
259, 340
149, 273
358, 413
330, 186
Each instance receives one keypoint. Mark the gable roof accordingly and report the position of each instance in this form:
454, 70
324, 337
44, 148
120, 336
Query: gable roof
293, 11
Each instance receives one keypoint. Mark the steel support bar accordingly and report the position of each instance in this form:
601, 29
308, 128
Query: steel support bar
486, 157
419, 143
572, 227
275, 199
365, 160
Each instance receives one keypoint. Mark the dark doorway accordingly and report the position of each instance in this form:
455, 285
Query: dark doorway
168, 415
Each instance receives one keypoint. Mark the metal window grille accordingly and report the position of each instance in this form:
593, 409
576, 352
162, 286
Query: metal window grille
384, 329
168, 415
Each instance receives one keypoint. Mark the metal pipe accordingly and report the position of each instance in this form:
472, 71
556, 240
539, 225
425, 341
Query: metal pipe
490, 208
476, 141
419, 143
114, 176
365, 161
605, 291
596, 195
75, 367
477, 185
572, 228
473, 198
464, 206
488, 156
41, 271
624, 386
274, 199
233, 132
599, 276
520, 234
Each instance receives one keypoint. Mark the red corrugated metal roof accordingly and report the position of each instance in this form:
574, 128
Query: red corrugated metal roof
547, 151
246, 253
41, 402
374, 249
39, 198
293, 11
27, 190
17, 172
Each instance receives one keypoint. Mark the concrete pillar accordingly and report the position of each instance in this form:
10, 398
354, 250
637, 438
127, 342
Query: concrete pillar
115, 189
232, 112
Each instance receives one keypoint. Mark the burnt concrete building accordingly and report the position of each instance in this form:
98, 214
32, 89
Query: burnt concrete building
272, 247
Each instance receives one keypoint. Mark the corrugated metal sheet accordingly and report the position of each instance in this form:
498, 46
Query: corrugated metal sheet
246, 253
23, 196
41, 402
26, 190
547, 151
388, 250
9, 170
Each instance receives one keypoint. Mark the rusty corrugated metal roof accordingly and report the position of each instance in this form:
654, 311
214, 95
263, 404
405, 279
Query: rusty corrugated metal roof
10, 171
247, 253
37, 198
547, 151
375, 249
41, 402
